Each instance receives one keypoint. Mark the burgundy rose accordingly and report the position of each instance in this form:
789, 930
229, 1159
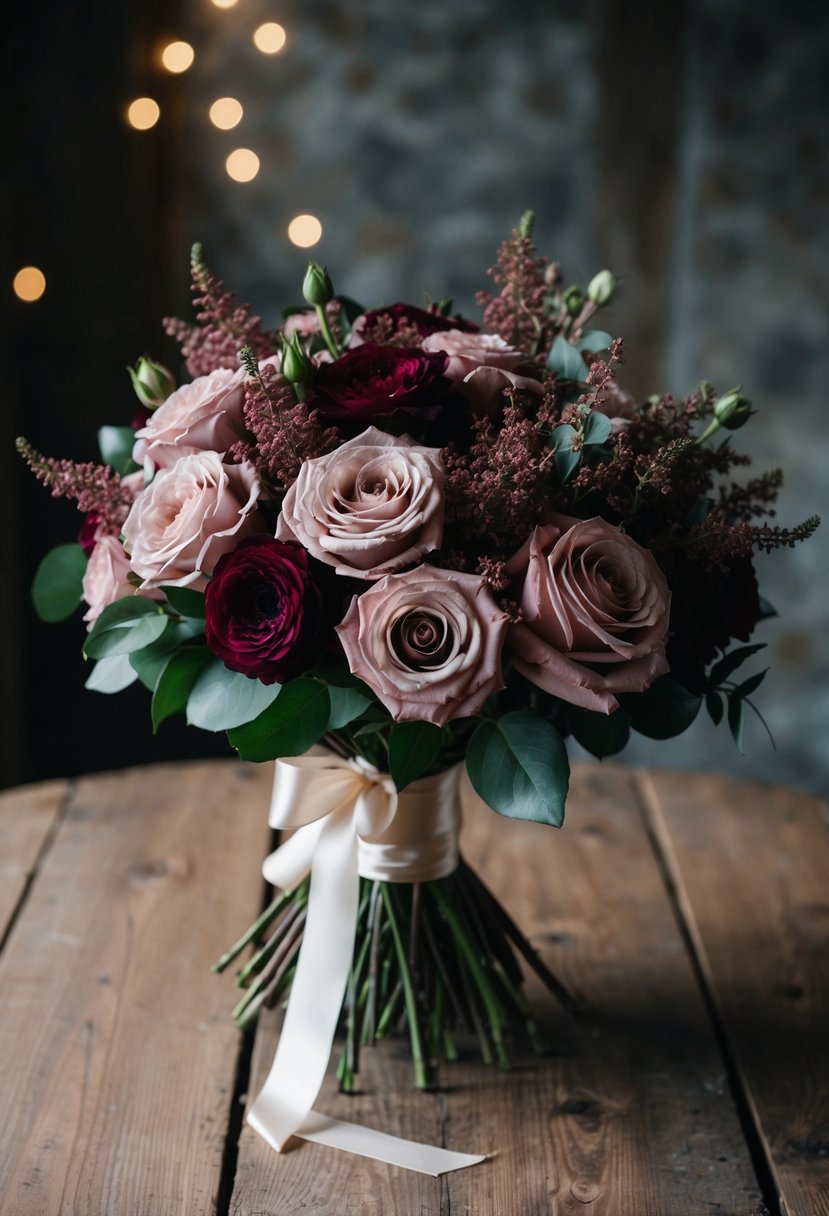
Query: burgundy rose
409, 316
373, 381
263, 610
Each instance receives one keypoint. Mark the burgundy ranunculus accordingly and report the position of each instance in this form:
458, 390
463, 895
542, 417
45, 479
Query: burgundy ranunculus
373, 381
89, 529
263, 610
421, 319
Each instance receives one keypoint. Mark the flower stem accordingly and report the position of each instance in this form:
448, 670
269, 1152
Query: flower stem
325, 330
420, 1071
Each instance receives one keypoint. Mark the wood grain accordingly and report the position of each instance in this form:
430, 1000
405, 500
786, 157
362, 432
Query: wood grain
631, 1112
28, 816
116, 1051
750, 863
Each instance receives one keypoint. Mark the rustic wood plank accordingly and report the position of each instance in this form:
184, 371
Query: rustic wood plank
750, 865
116, 1051
28, 816
630, 1114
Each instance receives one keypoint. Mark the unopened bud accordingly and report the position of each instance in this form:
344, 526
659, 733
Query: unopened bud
732, 410
296, 366
152, 382
573, 299
602, 288
317, 286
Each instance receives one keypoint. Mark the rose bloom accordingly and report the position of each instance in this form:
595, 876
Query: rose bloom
263, 610
105, 578
370, 507
203, 416
428, 642
373, 381
617, 405
595, 609
188, 517
483, 365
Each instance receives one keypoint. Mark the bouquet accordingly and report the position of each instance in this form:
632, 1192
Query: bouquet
406, 557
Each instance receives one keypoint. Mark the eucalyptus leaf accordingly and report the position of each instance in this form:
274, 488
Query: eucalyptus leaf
151, 661
566, 461
600, 734
222, 699
566, 361
116, 444
185, 601
730, 662
518, 765
596, 340
346, 705
665, 710
176, 681
294, 722
413, 748
111, 675
126, 625
57, 589
597, 428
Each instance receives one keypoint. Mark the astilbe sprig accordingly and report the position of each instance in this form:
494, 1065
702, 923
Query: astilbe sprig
222, 326
518, 313
94, 487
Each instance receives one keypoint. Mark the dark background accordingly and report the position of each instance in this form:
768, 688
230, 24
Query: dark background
683, 145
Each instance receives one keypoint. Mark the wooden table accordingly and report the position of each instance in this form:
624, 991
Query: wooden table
691, 912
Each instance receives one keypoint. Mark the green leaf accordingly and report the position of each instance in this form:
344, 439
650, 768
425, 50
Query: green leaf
751, 684
519, 766
600, 734
151, 661
176, 681
566, 461
736, 718
714, 705
665, 710
767, 610
129, 624
346, 705
116, 444
566, 361
288, 727
413, 748
730, 662
597, 428
596, 340
222, 699
58, 583
111, 675
185, 601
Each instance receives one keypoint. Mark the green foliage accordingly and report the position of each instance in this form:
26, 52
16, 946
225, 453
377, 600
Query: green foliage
413, 749
111, 674
597, 429
175, 683
566, 461
58, 584
185, 601
565, 360
295, 721
222, 699
665, 710
518, 765
116, 444
127, 625
151, 661
347, 703
595, 341
600, 734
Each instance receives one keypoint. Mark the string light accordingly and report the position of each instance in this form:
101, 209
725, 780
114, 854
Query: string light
304, 230
226, 113
242, 165
270, 38
143, 113
177, 56
29, 284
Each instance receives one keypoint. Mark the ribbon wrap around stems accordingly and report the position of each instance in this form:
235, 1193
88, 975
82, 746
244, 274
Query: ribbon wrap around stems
350, 821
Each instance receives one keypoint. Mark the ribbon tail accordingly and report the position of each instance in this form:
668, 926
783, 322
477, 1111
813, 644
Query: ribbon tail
379, 1146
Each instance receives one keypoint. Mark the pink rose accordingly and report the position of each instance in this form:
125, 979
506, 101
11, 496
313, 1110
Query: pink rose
592, 598
203, 416
617, 405
372, 506
105, 577
428, 642
187, 517
483, 365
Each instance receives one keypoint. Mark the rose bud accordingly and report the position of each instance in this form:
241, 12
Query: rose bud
263, 610
152, 382
602, 288
317, 287
296, 366
732, 410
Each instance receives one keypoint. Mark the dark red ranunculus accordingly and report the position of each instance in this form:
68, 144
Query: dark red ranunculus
421, 319
373, 381
86, 536
263, 610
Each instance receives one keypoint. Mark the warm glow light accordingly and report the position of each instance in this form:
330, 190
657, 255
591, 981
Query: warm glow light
225, 3
242, 165
226, 113
270, 38
304, 230
143, 113
29, 284
177, 56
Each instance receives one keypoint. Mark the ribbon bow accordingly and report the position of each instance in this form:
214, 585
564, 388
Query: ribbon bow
332, 802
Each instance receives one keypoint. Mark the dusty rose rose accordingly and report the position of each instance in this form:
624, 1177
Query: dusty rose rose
188, 516
483, 365
592, 599
372, 506
105, 577
617, 405
203, 416
428, 642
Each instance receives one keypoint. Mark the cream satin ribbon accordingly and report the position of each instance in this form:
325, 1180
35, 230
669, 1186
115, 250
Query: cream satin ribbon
350, 821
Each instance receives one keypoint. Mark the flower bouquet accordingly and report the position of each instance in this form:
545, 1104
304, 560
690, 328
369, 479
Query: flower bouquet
406, 557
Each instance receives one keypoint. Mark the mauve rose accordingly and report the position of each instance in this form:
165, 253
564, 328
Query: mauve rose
617, 405
189, 516
592, 597
105, 577
202, 416
373, 381
483, 365
372, 506
408, 316
428, 642
263, 610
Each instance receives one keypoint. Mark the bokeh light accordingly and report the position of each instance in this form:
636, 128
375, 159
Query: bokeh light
29, 284
270, 38
242, 165
225, 3
143, 113
177, 56
304, 230
226, 113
